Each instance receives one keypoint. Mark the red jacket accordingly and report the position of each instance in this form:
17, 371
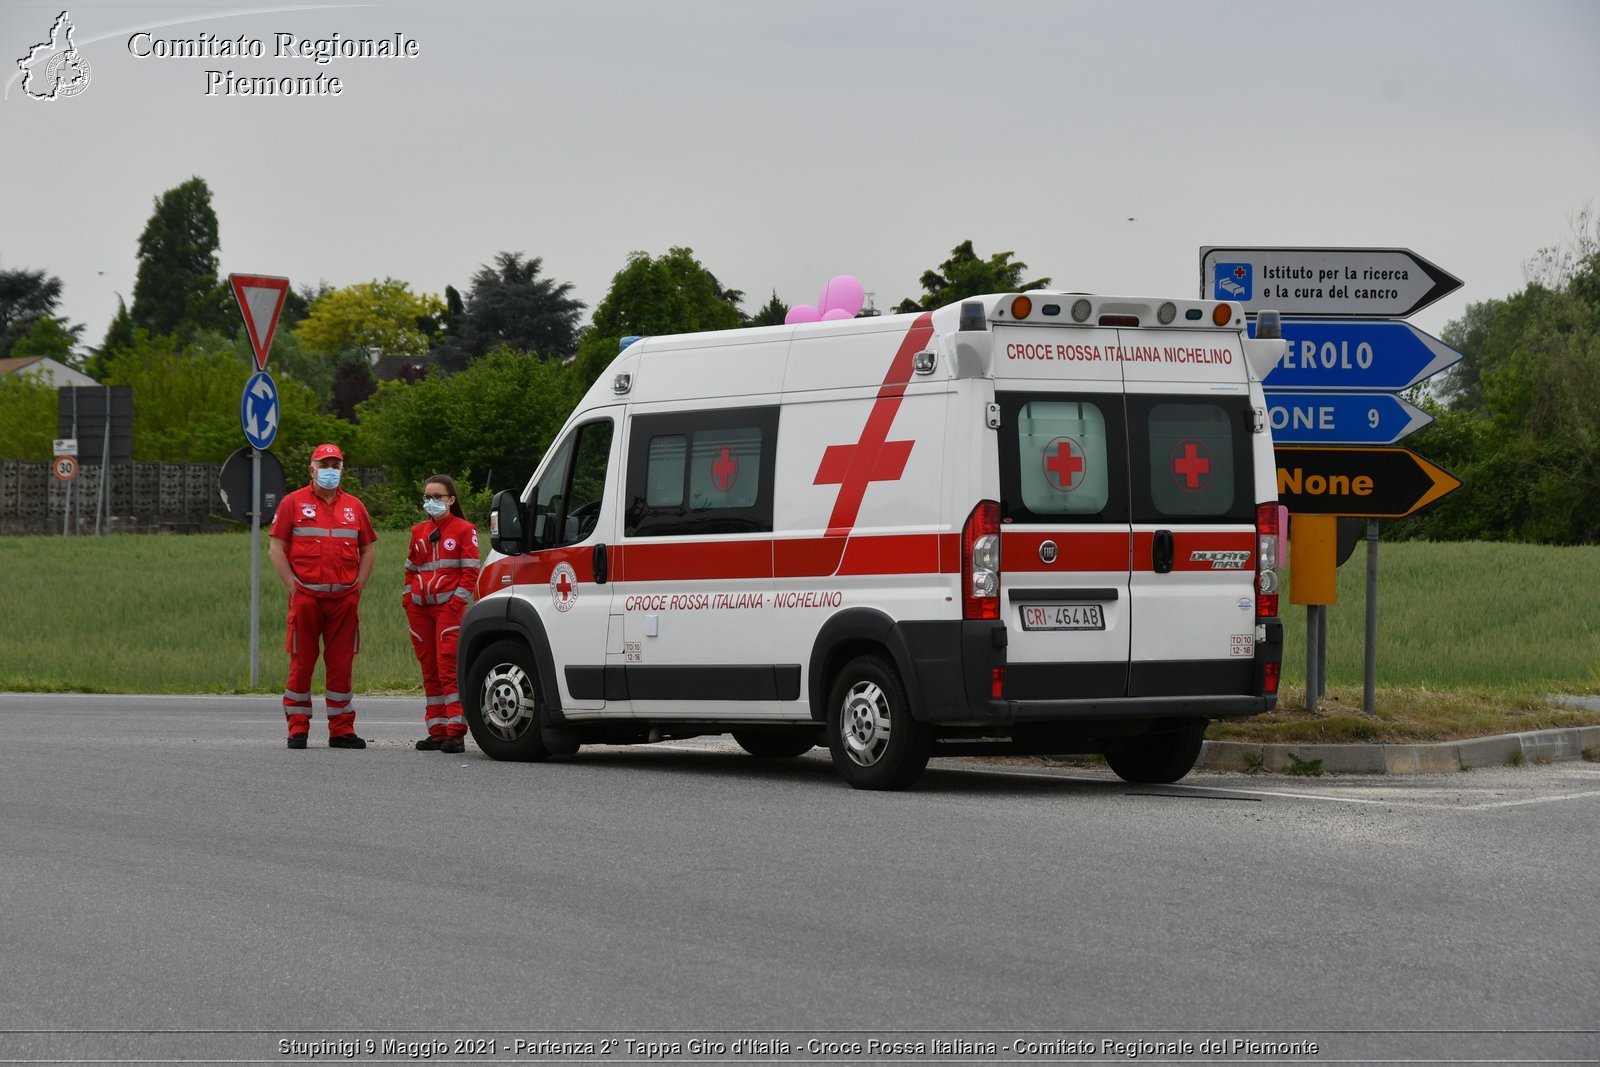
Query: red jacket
442, 564
324, 540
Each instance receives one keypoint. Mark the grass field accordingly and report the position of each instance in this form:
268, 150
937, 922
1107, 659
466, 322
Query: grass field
1471, 636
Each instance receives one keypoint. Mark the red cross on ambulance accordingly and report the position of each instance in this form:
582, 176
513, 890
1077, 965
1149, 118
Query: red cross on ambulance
1191, 465
564, 586
1064, 464
725, 469
873, 458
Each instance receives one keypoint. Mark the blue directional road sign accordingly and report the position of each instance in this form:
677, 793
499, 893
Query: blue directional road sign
258, 410
1342, 418
1356, 354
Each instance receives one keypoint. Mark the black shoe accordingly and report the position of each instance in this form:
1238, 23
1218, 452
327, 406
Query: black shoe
297, 740
346, 741
451, 745
429, 744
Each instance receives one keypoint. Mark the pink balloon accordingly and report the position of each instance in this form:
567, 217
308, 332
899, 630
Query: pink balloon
836, 313
800, 313
844, 293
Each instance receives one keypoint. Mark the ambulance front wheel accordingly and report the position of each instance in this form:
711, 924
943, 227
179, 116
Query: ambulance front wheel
1160, 758
875, 742
501, 702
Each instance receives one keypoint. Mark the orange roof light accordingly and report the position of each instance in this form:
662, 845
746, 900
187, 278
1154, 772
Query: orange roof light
1021, 307
1222, 314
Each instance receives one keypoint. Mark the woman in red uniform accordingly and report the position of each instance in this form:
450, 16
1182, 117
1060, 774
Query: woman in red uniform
441, 576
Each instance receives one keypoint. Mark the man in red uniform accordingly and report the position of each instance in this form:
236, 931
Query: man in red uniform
441, 573
322, 550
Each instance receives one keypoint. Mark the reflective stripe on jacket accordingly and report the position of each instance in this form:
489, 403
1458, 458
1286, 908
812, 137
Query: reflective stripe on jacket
442, 562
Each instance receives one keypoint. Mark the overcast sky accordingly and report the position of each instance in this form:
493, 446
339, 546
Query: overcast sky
1104, 142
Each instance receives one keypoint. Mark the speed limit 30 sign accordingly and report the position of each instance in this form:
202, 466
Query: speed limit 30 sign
66, 468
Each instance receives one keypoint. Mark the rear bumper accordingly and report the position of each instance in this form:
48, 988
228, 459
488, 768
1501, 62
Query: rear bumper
952, 668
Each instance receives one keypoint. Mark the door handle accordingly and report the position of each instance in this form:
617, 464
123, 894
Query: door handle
1162, 549
600, 571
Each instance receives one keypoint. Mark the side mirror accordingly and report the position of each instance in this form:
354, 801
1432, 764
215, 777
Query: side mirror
505, 524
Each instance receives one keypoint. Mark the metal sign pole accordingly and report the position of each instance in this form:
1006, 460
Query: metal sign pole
1322, 651
255, 567
1311, 657
1369, 692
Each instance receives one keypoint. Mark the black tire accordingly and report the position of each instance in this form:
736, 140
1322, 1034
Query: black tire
503, 705
777, 742
875, 742
1159, 758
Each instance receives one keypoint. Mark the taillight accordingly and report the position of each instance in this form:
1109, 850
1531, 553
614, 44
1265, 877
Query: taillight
980, 562
1267, 532
1269, 678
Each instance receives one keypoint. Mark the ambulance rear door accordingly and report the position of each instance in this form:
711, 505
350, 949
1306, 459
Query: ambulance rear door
1193, 505
1065, 536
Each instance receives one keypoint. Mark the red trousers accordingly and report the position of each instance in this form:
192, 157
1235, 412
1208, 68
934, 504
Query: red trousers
435, 634
335, 624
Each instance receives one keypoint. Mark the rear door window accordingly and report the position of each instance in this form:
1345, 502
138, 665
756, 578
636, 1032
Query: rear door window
1062, 458
1191, 459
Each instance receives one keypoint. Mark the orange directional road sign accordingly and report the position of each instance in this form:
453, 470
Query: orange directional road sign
1374, 483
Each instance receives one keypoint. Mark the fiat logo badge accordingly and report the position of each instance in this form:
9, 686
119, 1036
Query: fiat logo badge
1047, 552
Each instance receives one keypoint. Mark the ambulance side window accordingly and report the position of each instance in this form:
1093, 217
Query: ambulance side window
1062, 459
567, 500
1191, 459
702, 472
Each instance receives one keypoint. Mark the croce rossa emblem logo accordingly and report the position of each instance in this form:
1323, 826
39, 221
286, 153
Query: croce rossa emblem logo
54, 69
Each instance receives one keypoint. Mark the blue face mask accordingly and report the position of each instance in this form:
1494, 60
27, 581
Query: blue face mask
328, 477
435, 508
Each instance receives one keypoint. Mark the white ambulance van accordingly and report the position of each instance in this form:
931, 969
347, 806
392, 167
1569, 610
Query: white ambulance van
1040, 523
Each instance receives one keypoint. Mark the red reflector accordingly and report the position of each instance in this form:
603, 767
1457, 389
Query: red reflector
1119, 320
1266, 605
997, 683
1270, 679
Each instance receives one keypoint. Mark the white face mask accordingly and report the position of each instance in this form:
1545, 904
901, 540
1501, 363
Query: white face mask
435, 508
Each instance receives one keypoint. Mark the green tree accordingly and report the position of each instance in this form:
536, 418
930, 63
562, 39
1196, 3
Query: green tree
27, 417
1521, 428
25, 296
487, 426
177, 290
772, 313
48, 337
964, 275
377, 317
509, 305
186, 403
670, 294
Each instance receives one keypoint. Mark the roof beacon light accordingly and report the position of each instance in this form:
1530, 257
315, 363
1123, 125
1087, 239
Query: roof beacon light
972, 316
1021, 307
1222, 314
1269, 325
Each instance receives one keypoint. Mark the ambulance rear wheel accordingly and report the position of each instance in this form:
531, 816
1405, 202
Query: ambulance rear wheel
875, 742
777, 743
1160, 758
501, 701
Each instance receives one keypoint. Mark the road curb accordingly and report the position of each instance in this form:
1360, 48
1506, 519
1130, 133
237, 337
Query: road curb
1535, 746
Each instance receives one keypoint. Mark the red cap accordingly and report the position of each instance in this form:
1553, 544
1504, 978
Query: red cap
327, 452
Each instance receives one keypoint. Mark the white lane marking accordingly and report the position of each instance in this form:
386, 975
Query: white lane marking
1533, 800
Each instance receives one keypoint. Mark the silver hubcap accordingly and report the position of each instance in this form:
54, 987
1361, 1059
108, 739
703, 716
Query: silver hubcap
509, 701
864, 723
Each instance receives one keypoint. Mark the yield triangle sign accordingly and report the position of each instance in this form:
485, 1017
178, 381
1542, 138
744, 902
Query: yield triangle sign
261, 302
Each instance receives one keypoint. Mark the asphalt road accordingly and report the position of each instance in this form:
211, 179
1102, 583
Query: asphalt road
166, 864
